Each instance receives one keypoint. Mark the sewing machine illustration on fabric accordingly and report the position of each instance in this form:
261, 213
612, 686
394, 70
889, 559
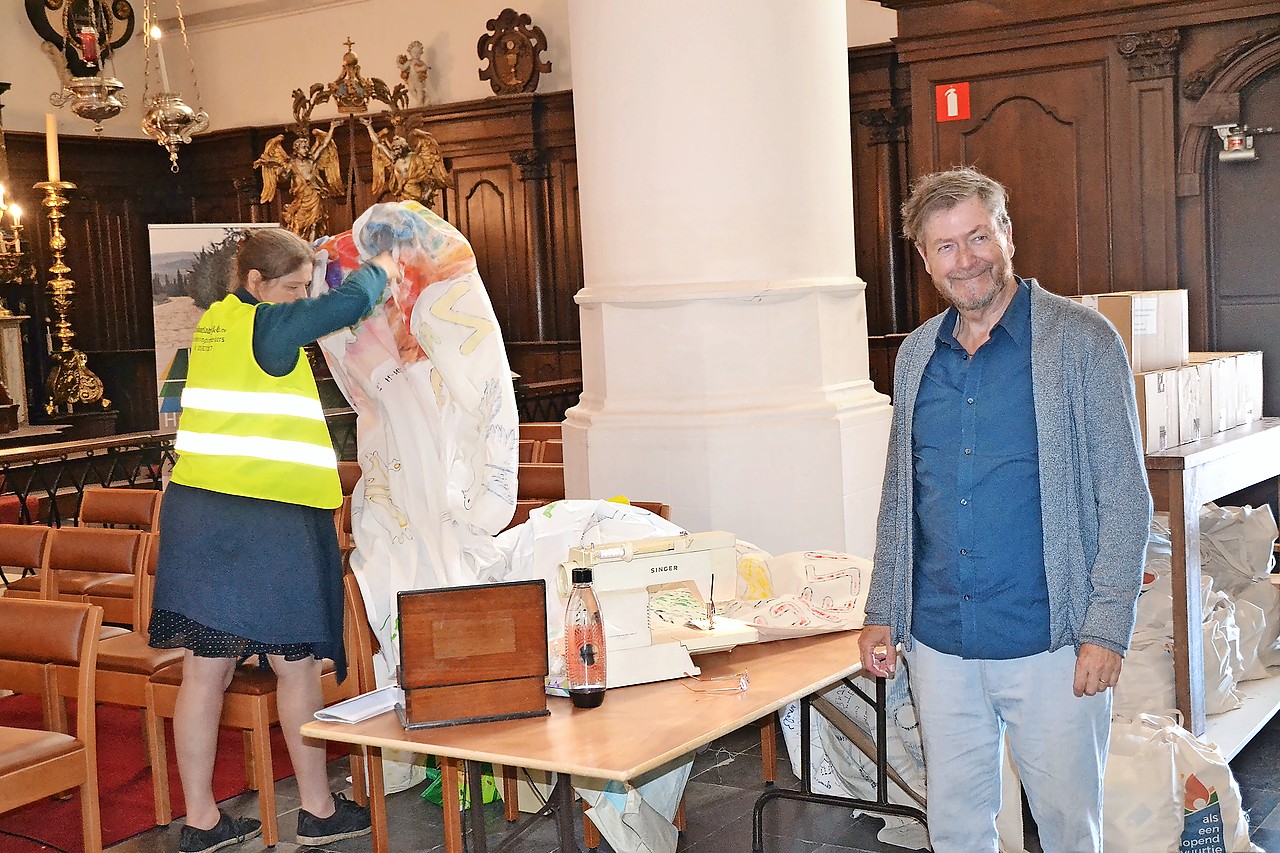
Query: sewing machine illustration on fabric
646, 641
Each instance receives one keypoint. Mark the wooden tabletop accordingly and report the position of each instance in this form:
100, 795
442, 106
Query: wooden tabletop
637, 728
1260, 436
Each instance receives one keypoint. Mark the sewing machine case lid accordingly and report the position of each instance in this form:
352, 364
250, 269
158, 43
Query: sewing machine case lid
470, 634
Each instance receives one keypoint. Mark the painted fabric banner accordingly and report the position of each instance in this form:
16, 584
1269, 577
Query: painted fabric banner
190, 270
436, 420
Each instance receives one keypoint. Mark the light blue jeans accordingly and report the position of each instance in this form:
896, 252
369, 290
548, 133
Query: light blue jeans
1058, 744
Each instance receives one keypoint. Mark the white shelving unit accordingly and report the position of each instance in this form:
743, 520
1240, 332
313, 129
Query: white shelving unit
1183, 479
1232, 730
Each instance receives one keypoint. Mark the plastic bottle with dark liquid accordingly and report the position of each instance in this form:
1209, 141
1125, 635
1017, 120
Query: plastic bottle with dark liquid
584, 643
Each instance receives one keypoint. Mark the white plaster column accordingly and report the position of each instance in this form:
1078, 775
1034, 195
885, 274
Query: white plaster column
724, 339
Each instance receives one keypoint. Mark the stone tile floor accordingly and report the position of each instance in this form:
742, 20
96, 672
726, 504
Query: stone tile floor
722, 790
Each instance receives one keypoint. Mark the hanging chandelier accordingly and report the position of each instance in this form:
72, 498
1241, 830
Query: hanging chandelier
168, 119
82, 46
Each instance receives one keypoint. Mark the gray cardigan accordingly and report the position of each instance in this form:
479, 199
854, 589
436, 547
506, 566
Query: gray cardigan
1093, 480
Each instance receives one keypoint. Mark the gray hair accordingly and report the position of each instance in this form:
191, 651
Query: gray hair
941, 191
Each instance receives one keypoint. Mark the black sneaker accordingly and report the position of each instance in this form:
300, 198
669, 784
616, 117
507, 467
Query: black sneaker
229, 830
348, 820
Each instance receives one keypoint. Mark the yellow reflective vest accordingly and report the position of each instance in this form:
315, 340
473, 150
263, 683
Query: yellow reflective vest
246, 432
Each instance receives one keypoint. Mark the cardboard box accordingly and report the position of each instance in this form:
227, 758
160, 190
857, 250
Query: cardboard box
1249, 386
1195, 402
1153, 325
1157, 393
1237, 386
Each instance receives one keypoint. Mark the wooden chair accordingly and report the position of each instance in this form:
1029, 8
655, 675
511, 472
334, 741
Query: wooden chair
126, 663
349, 475
35, 638
249, 705
24, 548
540, 481
92, 564
361, 647
541, 430
132, 509
552, 452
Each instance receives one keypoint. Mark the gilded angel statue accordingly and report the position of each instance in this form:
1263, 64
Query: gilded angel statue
404, 170
314, 175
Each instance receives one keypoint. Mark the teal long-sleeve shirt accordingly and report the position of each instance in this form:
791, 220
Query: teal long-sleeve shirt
281, 329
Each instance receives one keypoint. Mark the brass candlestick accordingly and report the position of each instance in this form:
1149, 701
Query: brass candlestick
70, 383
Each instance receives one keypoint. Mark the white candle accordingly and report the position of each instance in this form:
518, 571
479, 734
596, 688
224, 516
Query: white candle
164, 69
16, 213
51, 146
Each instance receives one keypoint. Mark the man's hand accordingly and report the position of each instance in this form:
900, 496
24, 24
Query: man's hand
879, 657
1097, 669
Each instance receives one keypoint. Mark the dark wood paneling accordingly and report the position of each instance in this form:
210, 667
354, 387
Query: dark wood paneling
490, 215
877, 96
566, 248
1036, 127
1244, 308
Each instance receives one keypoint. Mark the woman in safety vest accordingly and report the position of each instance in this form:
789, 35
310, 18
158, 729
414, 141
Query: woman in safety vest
249, 561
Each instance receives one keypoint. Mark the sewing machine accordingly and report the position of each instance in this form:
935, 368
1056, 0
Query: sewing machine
641, 648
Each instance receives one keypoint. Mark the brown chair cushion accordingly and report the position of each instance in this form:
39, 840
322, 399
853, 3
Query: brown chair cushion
99, 583
22, 545
107, 586
106, 632
28, 584
539, 481
96, 549
45, 631
135, 508
20, 748
129, 652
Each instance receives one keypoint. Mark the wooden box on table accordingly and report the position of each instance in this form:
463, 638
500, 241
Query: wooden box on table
473, 654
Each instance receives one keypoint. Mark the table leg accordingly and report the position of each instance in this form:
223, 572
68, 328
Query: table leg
475, 807
880, 805
449, 776
377, 799
562, 802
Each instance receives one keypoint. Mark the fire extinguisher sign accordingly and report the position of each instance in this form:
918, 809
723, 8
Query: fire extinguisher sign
953, 101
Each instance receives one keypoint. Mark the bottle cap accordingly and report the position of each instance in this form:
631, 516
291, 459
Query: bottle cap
581, 575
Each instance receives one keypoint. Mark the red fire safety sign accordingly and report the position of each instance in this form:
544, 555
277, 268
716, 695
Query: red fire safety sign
953, 101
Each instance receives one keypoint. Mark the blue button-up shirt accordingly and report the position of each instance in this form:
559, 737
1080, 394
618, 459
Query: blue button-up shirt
979, 582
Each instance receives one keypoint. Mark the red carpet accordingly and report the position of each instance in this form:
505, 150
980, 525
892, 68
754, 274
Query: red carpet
123, 777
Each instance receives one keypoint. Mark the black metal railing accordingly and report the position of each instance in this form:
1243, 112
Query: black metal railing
46, 481
547, 401
43, 484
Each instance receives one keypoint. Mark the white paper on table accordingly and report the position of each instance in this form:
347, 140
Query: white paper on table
363, 707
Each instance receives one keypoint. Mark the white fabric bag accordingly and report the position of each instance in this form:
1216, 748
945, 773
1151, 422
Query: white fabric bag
1236, 544
1141, 811
1220, 694
1252, 623
1213, 820
1146, 682
1266, 595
